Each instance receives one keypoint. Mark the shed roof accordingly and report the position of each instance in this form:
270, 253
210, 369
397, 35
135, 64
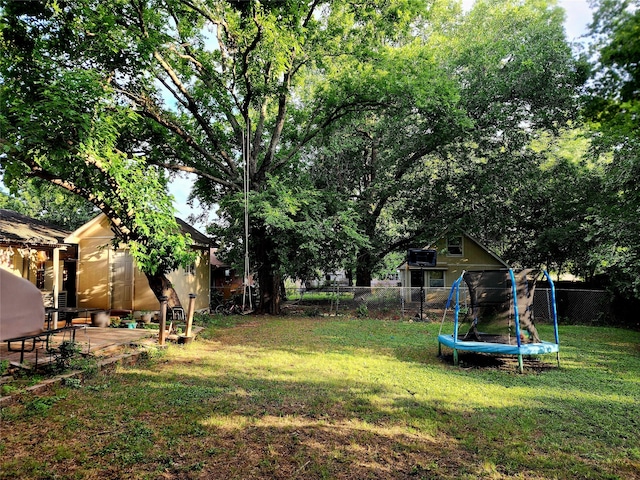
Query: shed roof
198, 239
18, 229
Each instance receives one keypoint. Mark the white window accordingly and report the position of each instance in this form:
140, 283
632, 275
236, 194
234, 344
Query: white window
190, 269
436, 278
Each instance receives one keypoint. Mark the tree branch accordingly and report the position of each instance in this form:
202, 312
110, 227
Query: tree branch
149, 110
191, 104
336, 114
120, 229
196, 171
245, 67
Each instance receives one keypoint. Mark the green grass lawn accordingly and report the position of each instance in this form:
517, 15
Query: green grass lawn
307, 398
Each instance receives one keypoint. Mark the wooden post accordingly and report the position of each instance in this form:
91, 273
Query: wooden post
56, 285
190, 312
163, 320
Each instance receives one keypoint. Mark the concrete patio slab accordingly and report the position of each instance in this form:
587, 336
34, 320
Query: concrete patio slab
97, 341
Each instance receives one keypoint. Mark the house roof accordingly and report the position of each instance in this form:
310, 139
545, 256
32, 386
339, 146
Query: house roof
18, 229
485, 248
214, 261
198, 238
473, 239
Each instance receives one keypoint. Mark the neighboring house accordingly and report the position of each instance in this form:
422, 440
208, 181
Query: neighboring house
107, 277
37, 251
224, 278
455, 253
329, 279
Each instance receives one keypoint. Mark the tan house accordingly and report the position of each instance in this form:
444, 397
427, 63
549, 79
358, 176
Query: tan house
108, 279
455, 253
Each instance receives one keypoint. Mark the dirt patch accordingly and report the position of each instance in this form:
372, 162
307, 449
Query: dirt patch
332, 451
507, 363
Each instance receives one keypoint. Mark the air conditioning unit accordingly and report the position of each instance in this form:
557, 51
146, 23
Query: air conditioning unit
418, 257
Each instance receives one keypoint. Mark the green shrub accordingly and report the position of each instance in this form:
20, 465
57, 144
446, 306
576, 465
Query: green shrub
4, 367
72, 382
87, 365
63, 355
8, 389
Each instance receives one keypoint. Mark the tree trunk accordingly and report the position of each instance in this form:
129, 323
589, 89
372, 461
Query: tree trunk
364, 269
268, 280
270, 297
161, 286
363, 274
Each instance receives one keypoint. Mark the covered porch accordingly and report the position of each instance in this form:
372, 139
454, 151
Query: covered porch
36, 251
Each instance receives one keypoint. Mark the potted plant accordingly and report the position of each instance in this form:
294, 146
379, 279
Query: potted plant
145, 317
129, 322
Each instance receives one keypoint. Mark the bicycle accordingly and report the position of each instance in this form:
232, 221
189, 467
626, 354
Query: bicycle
228, 308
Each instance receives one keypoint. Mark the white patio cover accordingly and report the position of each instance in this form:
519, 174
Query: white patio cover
21, 308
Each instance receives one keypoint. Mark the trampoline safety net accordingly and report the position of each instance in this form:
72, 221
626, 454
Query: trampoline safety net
491, 314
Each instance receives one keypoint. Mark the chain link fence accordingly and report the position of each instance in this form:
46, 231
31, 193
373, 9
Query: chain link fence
573, 306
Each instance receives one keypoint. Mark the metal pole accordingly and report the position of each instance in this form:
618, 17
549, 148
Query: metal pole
56, 286
421, 294
246, 288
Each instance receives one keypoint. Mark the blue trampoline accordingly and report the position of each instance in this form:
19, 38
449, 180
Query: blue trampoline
499, 317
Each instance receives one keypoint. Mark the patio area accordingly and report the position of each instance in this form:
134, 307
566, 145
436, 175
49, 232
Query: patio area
100, 342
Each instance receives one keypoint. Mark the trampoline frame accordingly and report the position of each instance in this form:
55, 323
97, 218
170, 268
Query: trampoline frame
519, 349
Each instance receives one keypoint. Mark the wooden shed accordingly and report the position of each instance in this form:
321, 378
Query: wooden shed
107, 278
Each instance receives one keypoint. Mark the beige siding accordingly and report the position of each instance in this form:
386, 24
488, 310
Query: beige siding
24, 263
95, 271
185, 283
48, 275
474, 257
143, 296
12, 260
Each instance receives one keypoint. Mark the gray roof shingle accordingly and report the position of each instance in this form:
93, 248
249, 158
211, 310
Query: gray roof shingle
16, 228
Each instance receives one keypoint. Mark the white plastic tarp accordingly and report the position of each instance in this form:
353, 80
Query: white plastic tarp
21, 307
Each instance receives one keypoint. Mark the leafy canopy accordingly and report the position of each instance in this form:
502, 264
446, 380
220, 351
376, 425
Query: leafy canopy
63, 123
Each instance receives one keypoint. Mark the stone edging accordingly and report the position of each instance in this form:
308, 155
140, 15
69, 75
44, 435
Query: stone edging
107, 364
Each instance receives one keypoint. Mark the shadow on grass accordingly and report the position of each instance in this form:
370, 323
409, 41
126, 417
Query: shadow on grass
342, 428
356, 401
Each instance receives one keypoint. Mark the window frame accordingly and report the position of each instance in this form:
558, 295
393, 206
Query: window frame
451, 245
440, 281
190, 269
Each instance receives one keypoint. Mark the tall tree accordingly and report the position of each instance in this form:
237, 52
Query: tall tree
549, 198
189, 84
379, 159
613, 106
449, 146
61, 122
